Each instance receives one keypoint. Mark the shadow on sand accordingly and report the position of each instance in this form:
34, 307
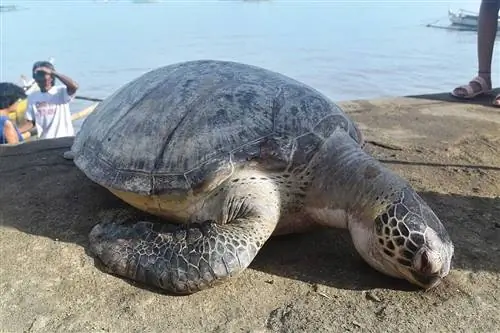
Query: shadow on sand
328, 256
485, 100
63, 204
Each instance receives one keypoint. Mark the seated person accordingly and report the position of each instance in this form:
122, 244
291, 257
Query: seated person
10, 95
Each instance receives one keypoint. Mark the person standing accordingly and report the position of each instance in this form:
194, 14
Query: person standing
486, 34
48, 109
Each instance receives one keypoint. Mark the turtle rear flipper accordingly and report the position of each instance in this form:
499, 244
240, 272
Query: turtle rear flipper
188, 258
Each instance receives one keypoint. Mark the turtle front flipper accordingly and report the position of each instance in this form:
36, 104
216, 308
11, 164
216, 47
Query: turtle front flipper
182, 259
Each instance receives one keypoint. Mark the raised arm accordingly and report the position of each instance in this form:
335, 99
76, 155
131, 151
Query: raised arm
70, 84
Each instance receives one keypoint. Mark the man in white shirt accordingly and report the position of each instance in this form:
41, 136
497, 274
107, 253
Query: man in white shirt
48, 109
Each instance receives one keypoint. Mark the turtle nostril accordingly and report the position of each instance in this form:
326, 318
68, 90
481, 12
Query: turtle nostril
426, 266
427, 262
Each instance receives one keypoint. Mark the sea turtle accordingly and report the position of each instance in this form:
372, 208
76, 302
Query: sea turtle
230, 154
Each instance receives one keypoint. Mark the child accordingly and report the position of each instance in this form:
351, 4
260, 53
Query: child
10, 95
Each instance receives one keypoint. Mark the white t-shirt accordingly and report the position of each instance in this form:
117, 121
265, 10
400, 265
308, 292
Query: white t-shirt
50, 112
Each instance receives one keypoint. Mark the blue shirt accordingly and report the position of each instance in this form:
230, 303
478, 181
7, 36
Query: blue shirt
3, 139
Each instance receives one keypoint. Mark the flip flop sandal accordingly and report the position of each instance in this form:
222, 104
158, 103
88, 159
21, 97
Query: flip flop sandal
470, 93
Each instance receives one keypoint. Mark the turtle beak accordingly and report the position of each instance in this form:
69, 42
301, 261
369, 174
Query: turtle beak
429, 267
426, 281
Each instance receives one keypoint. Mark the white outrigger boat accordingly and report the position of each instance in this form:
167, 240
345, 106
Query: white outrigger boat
465, 18
8, 8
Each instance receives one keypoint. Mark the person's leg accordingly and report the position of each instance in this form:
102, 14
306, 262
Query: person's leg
486, 33
487, 30
496, 100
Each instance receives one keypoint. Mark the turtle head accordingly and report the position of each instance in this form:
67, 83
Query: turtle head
406, 240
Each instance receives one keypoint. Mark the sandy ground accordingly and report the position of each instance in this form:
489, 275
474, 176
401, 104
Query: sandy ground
312, 282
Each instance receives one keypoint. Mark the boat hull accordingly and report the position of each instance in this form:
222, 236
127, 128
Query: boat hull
465, 18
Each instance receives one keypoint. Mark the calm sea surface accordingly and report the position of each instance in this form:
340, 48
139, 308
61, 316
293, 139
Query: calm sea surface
345, 49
